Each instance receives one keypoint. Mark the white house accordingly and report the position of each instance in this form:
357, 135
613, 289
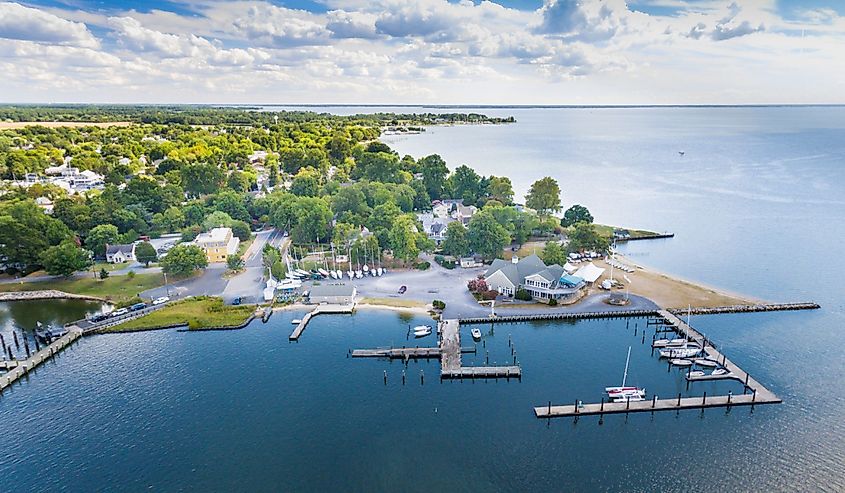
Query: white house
117, 254
543, 283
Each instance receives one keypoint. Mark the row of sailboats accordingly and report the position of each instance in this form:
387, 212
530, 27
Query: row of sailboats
372, 265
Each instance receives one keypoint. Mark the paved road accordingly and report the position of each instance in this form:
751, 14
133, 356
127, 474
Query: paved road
249, 284
210, 283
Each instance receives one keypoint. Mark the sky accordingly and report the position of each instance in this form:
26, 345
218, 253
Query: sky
502, 52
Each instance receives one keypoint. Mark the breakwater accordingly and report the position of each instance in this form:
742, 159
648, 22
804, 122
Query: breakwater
44, 294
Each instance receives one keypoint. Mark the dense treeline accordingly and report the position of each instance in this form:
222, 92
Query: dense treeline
326, 180
221, 115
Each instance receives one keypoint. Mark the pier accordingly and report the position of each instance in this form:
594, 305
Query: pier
558, 316
449, 351
19, 368
758, 393
319, 309
767, 307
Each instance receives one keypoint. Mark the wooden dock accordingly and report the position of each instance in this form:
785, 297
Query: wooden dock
559, 316
319, 309
758, 393
22, 367
450, 358
572, 410
404, 353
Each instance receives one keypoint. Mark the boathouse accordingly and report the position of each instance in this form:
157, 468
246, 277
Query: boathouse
333, 294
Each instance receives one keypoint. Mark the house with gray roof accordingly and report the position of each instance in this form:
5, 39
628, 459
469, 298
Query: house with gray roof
334, 294
530, 273
117, 254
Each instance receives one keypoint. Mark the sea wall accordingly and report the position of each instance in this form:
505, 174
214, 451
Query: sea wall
44, 294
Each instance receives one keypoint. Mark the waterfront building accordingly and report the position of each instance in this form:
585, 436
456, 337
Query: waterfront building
218, 244
544, 283
335, 294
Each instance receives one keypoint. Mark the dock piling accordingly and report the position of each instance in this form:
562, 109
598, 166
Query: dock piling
703, 399
385, 377
679, 399
422, 377
15, 335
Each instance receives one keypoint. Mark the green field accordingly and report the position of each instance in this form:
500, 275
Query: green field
114, 288
197, 313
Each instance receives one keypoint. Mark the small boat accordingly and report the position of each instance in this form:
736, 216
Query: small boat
476, 334
339, 274
323, 272
623, 393
720, 372
681, 362
706, 363
359, 274
422, 330
296, 321
333, 274
668, 342
379, 271
351, 274
696, 373
686, 351
365, 268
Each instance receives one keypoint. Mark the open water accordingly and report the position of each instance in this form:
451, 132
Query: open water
758, 206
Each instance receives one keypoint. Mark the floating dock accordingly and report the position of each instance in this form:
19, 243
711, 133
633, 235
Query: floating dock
404, 353
320, 309
758, 393
559, 316
20, 368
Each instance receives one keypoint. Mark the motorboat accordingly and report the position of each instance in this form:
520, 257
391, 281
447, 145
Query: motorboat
476, 334
668, 342
296, 321
422, 330
379, 271
706, 363
623, 393
685, 351
695, 373
681, 362
720, 372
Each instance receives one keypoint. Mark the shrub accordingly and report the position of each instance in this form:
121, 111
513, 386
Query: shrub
438, 304
522, 295
104, 273
422, 265
130, 275
477, 286
491, 294
552, 302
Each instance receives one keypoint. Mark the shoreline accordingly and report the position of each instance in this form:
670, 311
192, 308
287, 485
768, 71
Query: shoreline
46, 294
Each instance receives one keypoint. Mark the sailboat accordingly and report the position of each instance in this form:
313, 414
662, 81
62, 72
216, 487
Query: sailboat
623, 393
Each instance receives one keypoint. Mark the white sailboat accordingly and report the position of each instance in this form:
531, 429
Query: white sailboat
623, 393
685, 351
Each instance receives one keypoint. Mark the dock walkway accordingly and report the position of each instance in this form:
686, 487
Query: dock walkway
22, 367
319, 309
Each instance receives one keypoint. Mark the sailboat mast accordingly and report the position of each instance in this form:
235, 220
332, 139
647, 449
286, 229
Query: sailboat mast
627, 360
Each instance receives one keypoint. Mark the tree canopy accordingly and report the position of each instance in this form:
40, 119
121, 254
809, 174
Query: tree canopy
544, 196
576, 214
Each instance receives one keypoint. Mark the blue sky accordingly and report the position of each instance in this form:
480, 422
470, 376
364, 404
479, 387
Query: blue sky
424, 51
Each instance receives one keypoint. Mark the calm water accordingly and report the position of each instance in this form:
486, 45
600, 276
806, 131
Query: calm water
757, 205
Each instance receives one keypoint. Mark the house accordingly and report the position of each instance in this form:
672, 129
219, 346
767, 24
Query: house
335, 294
117, 254
45, 203
218, 244
542, 282
258, 156
434, 227
464, 213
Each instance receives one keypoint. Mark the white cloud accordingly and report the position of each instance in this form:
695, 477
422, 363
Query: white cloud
30, 24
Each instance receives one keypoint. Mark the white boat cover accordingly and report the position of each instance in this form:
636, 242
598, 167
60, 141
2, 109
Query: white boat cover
569, 268
589, 272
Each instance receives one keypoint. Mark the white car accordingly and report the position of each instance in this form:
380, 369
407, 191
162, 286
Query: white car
160, 301
122, 311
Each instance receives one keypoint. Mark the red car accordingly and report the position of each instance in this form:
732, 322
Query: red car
402, 289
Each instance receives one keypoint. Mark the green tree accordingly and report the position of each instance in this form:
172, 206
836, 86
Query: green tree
104, 274
464, 184
553, 253
544, 196
585, 237
241, 230
313, 219
434, 172
99, 237
273, 177
486, 236
217, 219
576, 214
234, 262
202, 178
501, 189
65, 259
25, 232
183, 260
403, 238
305, 184
238, 181
456, 242
145, 252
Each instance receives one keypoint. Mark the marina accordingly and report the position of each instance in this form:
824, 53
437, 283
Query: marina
753, 391
18, 368
319, 309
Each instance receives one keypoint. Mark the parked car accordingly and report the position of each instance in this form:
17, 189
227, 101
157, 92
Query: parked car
161, 300
119, 312
137, 306
236, 301
402, 289
99, 317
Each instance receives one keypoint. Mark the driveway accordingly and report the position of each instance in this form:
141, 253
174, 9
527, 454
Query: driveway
209, 283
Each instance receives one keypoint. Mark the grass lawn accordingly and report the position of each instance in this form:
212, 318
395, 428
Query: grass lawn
114, 288
396, 302
607, 231
244, 246
197, 313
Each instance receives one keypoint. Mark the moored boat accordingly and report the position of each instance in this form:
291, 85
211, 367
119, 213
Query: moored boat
624, 393
681, 362
668, 342
720, 372
422, 330
686, 351
296, 321
696, 373
706, 363
476, 334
